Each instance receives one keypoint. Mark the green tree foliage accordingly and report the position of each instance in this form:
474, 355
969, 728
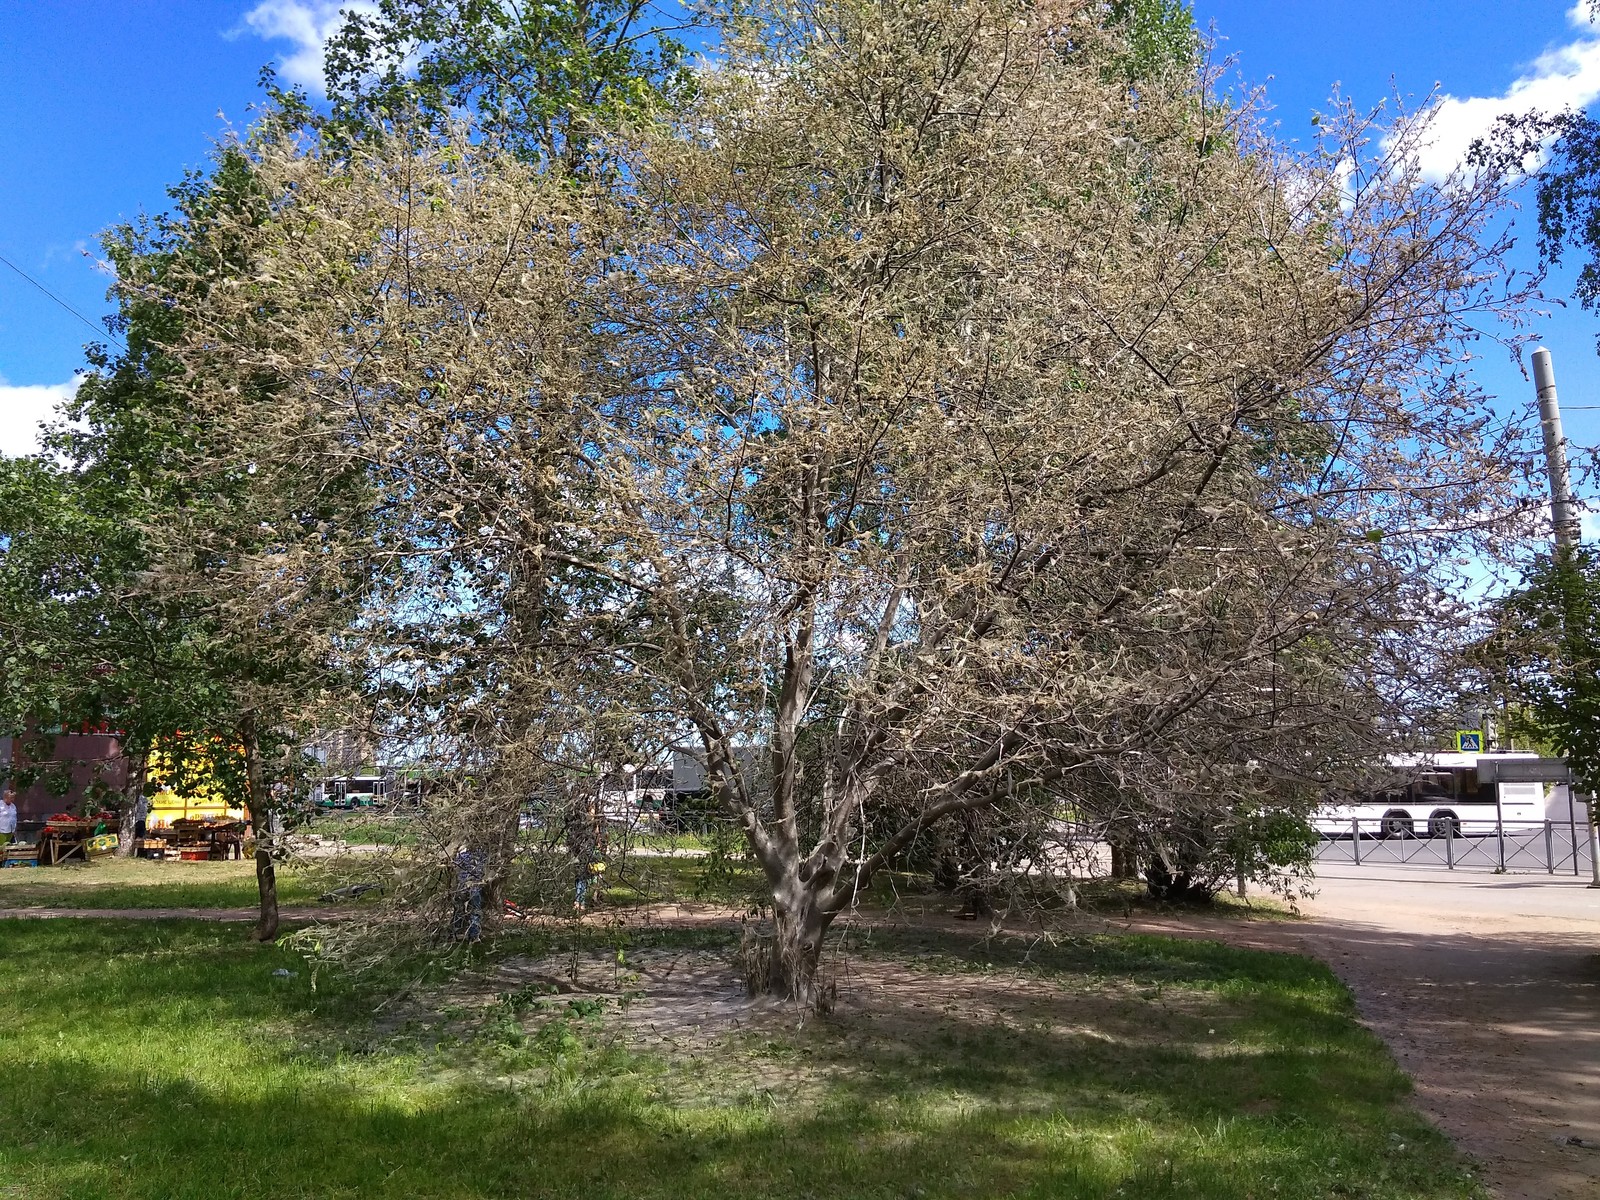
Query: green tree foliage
542, 77
58, 634
87, 645
114, 600
81, 651
265, 653
1568, 182
1159, 36
1568, 186
1548, 644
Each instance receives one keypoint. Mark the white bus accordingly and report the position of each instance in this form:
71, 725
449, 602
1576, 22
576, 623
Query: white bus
1436, 795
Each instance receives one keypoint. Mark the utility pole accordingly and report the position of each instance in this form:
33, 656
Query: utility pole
1564, 524
1563, 513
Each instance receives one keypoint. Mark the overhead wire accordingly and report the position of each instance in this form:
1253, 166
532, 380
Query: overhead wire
99, 330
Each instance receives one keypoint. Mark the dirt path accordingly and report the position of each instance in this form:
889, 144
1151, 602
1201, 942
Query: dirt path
1487, 989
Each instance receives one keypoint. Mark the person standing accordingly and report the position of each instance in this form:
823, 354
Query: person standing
467, 921
583, 842
8, 815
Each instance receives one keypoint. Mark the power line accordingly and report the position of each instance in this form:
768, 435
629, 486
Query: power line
98, 329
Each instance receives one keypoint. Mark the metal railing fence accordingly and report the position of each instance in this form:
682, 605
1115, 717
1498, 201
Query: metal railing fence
1553, 847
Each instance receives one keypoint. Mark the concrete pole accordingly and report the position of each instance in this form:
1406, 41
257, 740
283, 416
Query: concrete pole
1563, 515
1564, 523
1594, 842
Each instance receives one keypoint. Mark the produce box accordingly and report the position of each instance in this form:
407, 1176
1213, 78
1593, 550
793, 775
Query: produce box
20, 854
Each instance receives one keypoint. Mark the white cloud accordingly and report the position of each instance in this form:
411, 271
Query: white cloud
1566, 76
306, 25
21, 410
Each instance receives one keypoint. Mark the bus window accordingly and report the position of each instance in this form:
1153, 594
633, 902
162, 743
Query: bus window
1435, 787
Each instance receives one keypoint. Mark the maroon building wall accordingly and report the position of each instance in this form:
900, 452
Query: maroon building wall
84, 757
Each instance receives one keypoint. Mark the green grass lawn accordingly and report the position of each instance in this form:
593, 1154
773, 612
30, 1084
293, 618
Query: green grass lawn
141, 883
633, 881
165, 1060
365, 827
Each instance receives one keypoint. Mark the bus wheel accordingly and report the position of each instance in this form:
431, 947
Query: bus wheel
1445, 824
1396, 824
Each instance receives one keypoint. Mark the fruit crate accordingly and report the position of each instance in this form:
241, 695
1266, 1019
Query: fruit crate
19, 854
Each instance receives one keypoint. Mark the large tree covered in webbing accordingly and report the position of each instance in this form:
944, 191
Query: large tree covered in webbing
1064, 428
928, 405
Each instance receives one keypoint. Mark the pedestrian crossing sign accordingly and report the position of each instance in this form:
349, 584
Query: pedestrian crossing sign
1469, 741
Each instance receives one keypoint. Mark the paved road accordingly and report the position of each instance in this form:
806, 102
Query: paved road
1487, 987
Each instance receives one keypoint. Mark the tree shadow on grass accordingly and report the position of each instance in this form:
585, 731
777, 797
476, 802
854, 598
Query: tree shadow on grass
135, 1138
109, 1094
1142, 959
1200, 1030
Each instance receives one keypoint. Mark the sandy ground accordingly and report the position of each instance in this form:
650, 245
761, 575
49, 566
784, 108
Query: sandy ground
1487, 989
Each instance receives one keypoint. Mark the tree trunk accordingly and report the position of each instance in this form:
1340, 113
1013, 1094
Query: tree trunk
503, 853
261, 825
132, 808
798, 929
125, 821
1119, 861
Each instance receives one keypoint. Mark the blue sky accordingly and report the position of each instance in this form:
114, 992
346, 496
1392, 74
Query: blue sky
104, 103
